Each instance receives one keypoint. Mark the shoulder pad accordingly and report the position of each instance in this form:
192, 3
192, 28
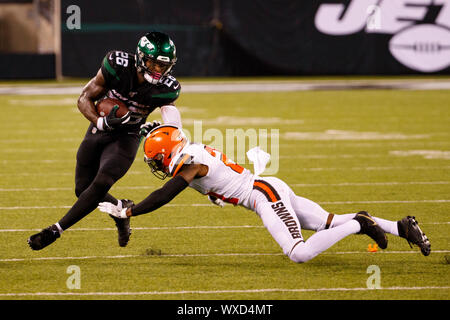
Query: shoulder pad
114, 63
184, 158
169, 89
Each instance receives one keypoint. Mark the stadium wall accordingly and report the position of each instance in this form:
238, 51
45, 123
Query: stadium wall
27, 66
27, 39
265, 37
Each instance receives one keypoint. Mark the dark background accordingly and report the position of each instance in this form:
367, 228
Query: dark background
227, 38
216, 38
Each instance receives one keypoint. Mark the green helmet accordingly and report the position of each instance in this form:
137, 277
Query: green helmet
155, 56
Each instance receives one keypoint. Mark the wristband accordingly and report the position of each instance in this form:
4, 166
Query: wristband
100, 122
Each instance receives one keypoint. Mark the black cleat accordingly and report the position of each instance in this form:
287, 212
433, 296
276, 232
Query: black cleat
123, 225
371, 228
44, 238
408, 228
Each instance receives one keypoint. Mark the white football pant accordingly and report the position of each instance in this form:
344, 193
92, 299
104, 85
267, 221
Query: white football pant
284, 214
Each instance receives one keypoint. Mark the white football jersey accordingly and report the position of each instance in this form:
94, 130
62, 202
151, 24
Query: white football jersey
225, 179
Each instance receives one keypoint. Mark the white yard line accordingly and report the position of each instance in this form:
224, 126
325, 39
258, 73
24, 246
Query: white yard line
175, 228
263, 290
68, 207
146, 173
384, 201
141, 256
210, 205
147, 187
307, 185
74, 150
333, 156
35, 189
198, 255
142, 228
252, 86
349, 184
283, 145
27, 161
369, 168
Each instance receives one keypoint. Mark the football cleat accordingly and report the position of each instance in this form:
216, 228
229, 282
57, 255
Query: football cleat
371, 228
123, 225
408, 228
44, 238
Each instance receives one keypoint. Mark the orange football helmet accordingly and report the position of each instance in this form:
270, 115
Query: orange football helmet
160, 147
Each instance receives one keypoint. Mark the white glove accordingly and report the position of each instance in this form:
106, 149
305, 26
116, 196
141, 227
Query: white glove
260, 158
216, 201
113, 210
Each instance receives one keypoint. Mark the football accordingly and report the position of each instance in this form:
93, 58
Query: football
105, 106
423, 47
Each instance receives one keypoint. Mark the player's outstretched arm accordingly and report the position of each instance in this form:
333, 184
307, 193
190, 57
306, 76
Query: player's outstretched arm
160, 197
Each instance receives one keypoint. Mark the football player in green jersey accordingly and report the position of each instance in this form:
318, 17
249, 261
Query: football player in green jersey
143, 81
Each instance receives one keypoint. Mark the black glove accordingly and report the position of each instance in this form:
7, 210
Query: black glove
148, 126
111, 121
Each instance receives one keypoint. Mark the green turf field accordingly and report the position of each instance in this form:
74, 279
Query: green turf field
384, 151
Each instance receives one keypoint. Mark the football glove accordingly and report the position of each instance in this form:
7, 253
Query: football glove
111, 121
113, 210
216, 201
148, 126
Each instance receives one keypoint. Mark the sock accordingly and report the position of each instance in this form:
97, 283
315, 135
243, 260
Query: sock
324, 239
339, 219
86, 203
387, 226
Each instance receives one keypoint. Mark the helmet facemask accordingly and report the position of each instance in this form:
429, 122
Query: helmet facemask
154, 70
156, 166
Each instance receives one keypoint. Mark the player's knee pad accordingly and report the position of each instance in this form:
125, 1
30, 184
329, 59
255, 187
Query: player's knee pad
301, 253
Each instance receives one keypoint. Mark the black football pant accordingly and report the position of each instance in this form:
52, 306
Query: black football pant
102, 159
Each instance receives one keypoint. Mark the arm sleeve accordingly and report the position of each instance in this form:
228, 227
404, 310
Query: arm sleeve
160, 197
171, 115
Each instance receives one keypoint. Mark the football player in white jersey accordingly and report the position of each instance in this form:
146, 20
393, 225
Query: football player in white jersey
284, 214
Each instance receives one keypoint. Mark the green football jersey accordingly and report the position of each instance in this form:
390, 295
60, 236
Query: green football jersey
119, 70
